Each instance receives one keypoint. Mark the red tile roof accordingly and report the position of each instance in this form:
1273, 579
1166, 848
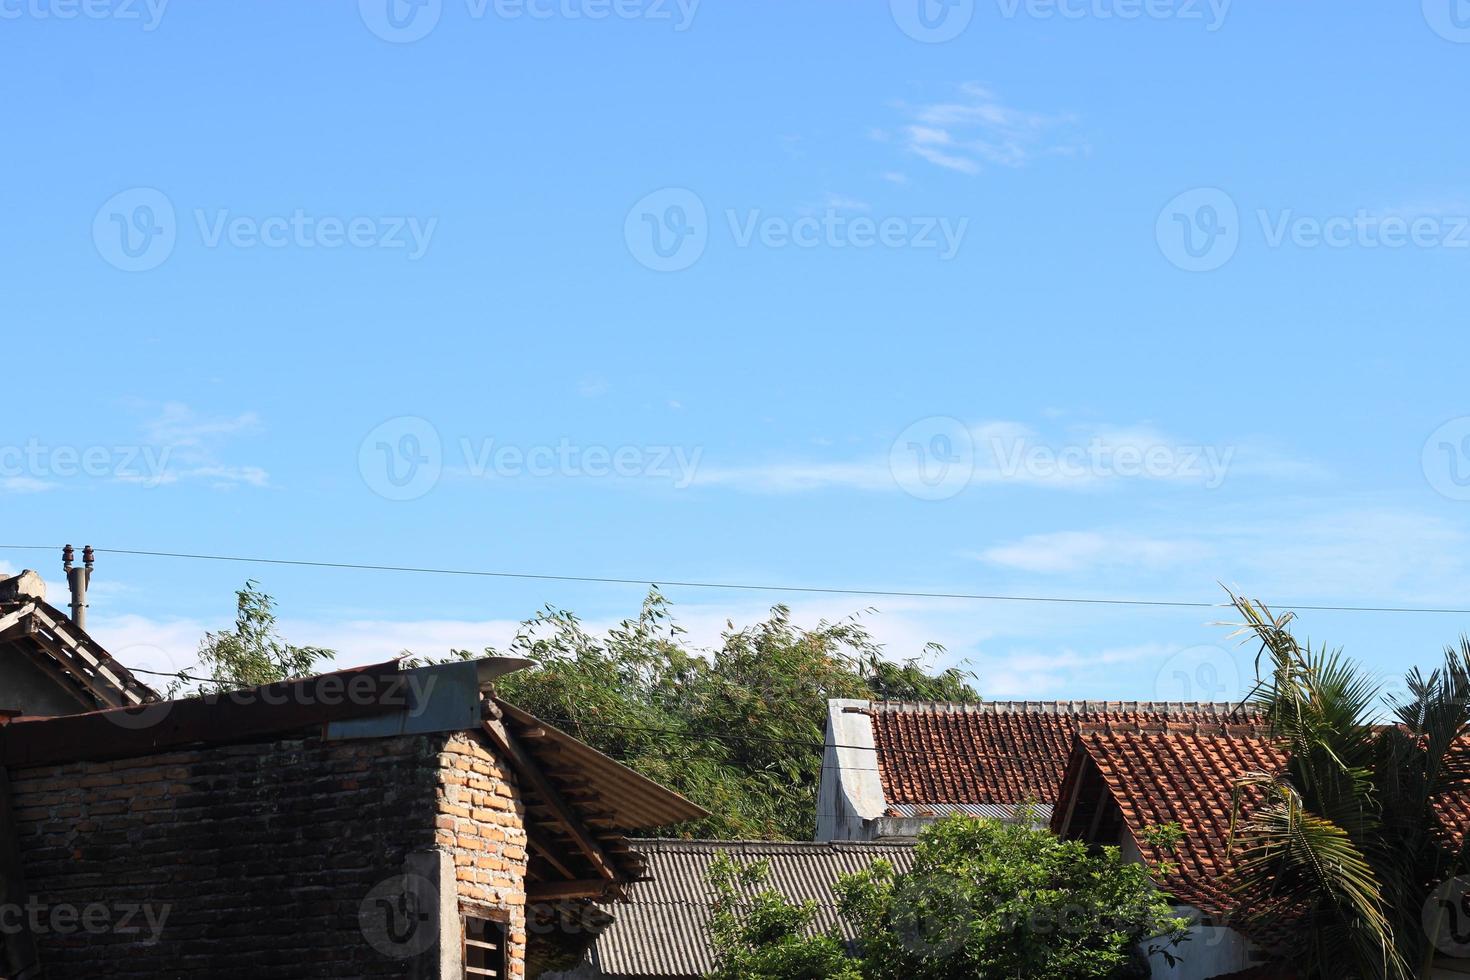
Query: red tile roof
1004, 752
1189, 779
1453, 806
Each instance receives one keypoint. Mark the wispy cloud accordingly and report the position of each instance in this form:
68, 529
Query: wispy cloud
190, 446
26, 484
1065, 673
1282, 550
176, 424
1014, 453
977, 128
1076, 551
841, 202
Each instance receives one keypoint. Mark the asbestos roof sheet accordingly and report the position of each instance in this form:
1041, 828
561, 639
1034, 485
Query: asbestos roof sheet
663, 929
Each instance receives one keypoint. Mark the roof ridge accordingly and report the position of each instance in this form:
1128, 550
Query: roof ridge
1061, 707
715, 842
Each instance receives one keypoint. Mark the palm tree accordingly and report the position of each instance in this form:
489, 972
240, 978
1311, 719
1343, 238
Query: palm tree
1346, 843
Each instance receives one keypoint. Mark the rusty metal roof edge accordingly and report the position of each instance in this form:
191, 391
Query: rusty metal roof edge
277, 708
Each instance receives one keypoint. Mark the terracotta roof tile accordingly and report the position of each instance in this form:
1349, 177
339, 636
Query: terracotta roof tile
1004, 752
1453, 806
1188, 779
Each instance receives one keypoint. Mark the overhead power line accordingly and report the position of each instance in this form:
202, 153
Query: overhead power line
746, 586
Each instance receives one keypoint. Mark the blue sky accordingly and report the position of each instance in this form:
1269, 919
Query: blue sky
1093, 298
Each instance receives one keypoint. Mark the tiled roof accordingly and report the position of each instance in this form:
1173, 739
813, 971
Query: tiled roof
1158, 778
1002, 752
663, 928
1453, 806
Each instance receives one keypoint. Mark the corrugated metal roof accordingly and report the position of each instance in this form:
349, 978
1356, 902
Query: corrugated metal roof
663, 929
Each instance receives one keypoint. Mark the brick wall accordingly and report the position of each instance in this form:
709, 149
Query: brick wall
481, 823
256, 860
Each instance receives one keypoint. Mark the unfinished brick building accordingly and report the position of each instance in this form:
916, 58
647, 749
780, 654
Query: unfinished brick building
368, 823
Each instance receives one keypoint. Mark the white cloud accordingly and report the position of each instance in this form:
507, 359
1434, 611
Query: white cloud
1013, 453
187, 446
1076, 551
177, 424
977, 128
26, 484
1065, 674
840, 202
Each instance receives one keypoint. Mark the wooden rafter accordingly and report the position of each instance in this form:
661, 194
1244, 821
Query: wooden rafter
92, 656
564, 890
532, 775
52, 646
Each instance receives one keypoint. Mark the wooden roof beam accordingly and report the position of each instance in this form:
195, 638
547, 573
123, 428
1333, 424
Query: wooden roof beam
531, 773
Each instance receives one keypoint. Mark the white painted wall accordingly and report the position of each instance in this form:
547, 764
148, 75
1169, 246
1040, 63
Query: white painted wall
850, 796
1210, 952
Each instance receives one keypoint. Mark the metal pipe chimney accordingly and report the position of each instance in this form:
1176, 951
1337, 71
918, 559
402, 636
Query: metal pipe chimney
77, 579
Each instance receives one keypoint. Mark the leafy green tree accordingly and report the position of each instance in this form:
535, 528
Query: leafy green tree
762, 934
983, 899
739, 729
249, 655
993, 899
